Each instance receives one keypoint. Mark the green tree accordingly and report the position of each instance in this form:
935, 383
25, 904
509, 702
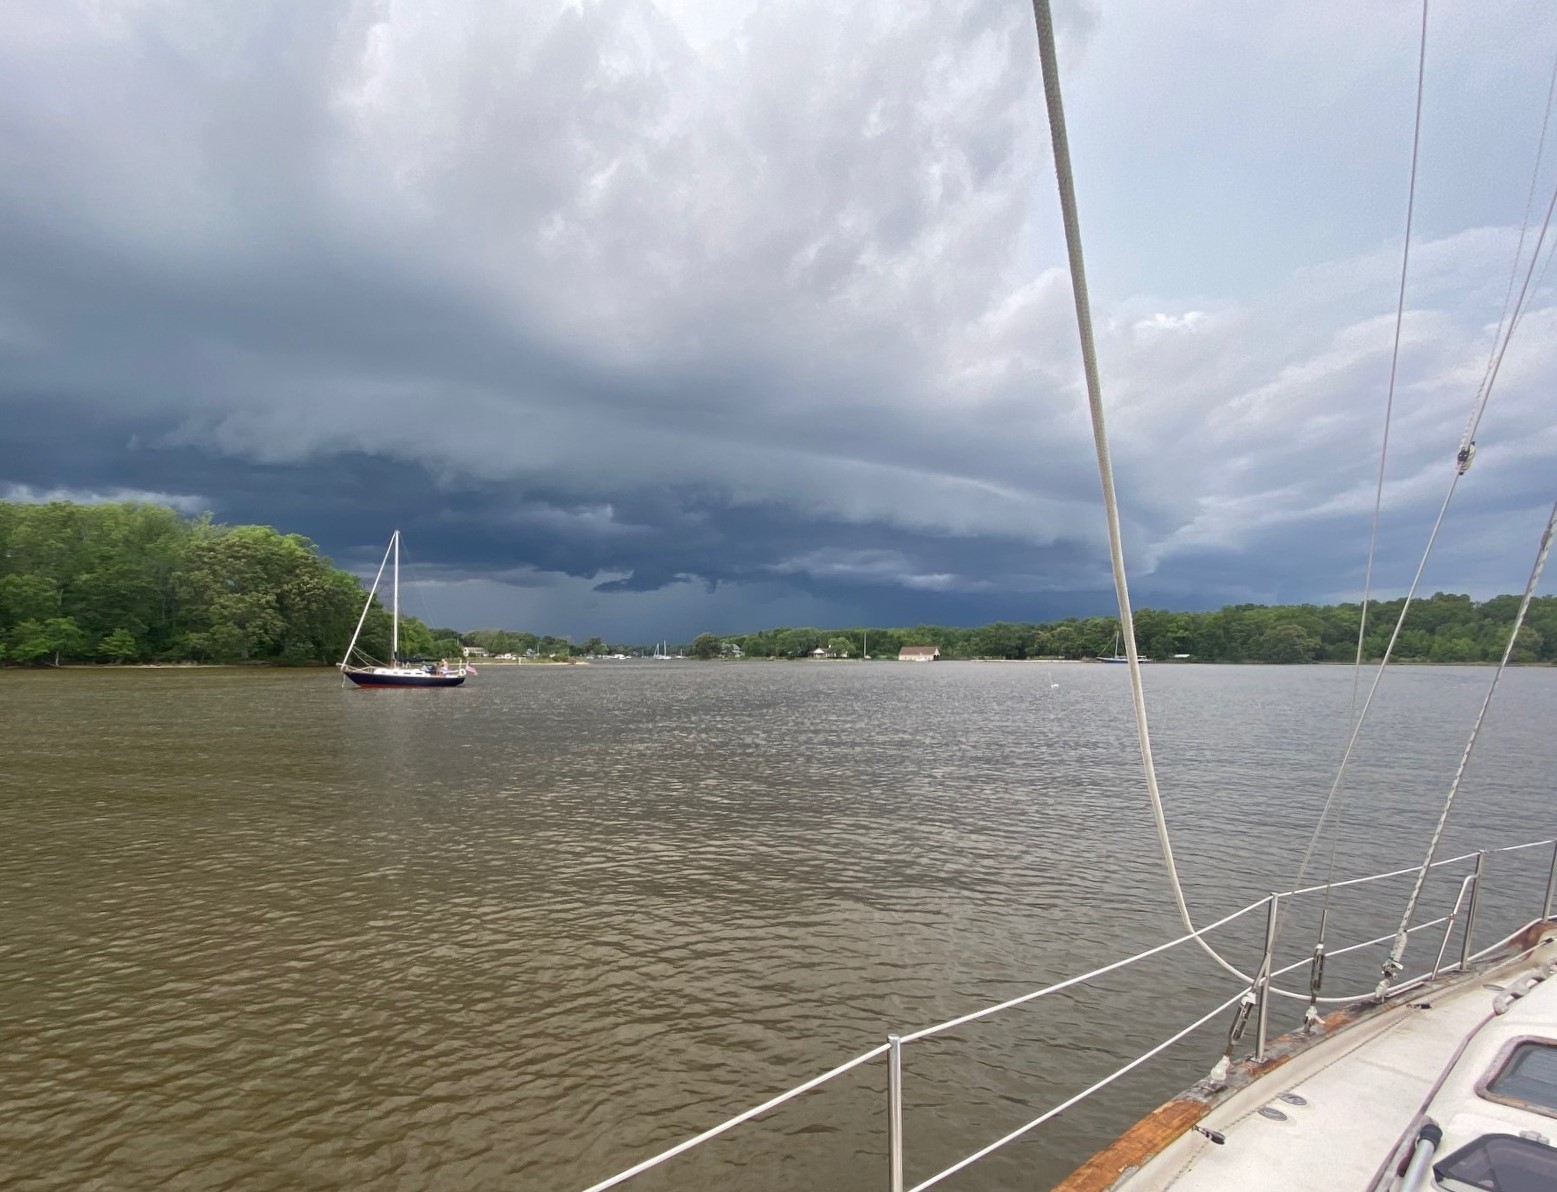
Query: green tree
1001, 640
445, 646
557, 648
119, 646
1454, 649
27, 597
34, 641
179, 587
28, 642
229, 585
705, 646
840, 647
1065, 641
1527, 646
415, 641
1286, 644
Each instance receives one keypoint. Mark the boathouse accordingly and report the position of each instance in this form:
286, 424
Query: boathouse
919, 654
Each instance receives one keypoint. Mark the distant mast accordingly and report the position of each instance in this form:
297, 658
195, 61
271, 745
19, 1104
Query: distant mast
394, 631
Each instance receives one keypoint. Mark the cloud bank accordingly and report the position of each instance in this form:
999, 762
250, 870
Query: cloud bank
651, 317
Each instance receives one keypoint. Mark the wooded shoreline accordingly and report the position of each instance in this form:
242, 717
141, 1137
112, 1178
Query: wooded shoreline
137, 583
1444, 628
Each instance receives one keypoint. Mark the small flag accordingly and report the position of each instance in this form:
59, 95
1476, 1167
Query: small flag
469, 670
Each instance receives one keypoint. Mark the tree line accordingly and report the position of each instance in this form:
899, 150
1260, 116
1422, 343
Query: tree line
139, 583
134, 582
1444, 627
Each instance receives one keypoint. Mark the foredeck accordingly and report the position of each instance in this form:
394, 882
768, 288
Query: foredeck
1332, 1116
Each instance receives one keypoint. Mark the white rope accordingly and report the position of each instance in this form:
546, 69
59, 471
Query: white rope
1392, 965
1078, 281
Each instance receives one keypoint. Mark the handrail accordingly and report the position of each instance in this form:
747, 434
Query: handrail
1373, 943
1258, 990
1084, 1094
1514, 848
1379, 877
1344, 999
926, 1032
730, 1124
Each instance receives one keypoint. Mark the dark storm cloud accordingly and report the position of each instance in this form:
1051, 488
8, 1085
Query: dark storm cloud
686, 309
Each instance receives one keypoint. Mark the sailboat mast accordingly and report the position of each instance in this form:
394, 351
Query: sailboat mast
394, 631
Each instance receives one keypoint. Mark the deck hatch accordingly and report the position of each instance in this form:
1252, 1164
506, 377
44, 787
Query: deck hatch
1527, 1077
1501, 1163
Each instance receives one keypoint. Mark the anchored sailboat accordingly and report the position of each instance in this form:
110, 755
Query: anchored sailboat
1124, 658
398, 672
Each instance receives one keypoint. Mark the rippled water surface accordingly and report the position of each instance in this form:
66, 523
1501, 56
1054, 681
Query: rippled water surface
264, 933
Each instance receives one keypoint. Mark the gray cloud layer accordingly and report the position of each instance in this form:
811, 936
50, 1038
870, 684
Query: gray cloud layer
642, 317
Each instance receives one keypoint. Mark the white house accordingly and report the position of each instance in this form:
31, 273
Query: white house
919, 654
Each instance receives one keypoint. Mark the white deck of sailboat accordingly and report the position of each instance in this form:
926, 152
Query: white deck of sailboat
1367, 1089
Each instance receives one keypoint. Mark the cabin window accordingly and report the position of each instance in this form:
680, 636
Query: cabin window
1501, 1163
1528, 1077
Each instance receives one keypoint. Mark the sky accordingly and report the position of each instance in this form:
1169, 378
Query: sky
642, 318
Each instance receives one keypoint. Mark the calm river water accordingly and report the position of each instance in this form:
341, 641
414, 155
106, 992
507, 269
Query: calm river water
264, 933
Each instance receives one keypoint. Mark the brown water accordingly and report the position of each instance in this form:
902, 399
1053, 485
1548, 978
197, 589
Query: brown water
260, 932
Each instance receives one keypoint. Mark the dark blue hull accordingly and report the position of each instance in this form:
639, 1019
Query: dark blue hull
368, 679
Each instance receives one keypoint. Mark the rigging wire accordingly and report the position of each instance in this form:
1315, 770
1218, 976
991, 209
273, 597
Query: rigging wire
1541, 277
1397, 951
1337, 794
1468, 440
1462, 463
1524, 229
